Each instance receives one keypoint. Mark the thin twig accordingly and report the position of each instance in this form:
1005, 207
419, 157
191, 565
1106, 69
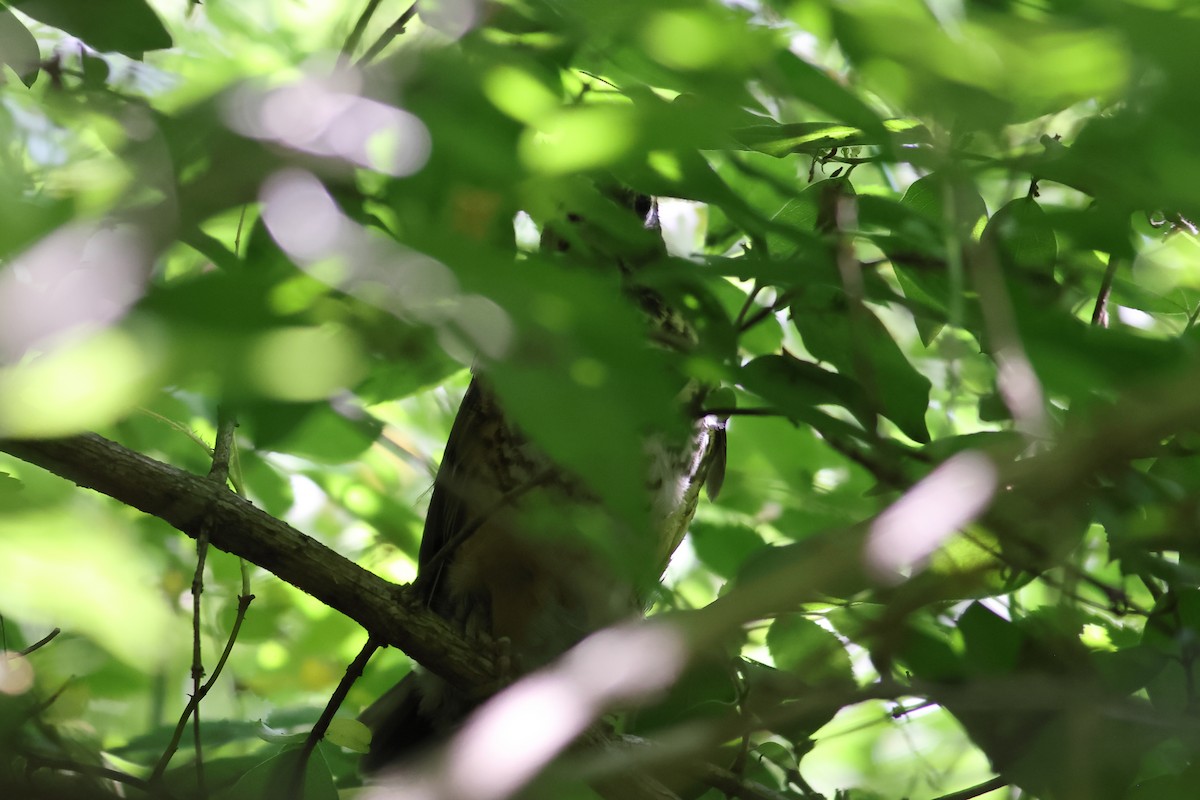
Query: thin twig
353, 672
223, 447
95, 771
1100, 312
976, 790
1192, 319
237, 236
193, 708
750, 295
159, 768
764, 312
178, 428
360, 28
394, 30
43, 705
40, 643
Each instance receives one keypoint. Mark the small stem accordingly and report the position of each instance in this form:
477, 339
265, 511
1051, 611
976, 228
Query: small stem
243, 604
1100, 312
753, 293
94, 770
223, 450
353, 672
193, 707
394, 30
223, 447
976, 790
40, 643
360, 28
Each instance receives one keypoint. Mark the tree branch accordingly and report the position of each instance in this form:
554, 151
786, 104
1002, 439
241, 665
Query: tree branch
387, 611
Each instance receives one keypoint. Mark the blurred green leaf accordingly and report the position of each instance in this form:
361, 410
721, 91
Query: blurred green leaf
314, 430
801, 646
797, 387
18, 48
1023, 235
992, 644
723, 547
41, 551
126, 26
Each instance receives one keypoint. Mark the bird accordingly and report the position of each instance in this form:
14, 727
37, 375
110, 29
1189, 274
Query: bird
486, 561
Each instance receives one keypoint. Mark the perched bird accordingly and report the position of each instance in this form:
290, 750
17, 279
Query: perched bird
495, 559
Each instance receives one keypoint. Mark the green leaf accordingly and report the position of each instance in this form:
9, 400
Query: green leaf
312, 430
811, 212
44, 550
1022, 234
687, 174
802, 647
817, 88
704, 691
265, 483
783, 699
274, 778
724, 547
930, 655
12, 493
1076, 359
777, 754
946, 199
993, 645
349, 733
125, 26
858, 344
18, 48
95, 71
796, 387
818, 138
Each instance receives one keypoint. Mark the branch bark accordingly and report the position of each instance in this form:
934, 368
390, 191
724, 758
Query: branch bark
390, 613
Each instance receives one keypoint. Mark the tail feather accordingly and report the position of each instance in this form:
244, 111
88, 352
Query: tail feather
398, 726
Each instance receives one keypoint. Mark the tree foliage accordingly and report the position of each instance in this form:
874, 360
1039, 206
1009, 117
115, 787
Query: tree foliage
938, 257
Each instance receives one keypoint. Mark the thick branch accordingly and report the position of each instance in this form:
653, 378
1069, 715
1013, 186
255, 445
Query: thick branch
389, 612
